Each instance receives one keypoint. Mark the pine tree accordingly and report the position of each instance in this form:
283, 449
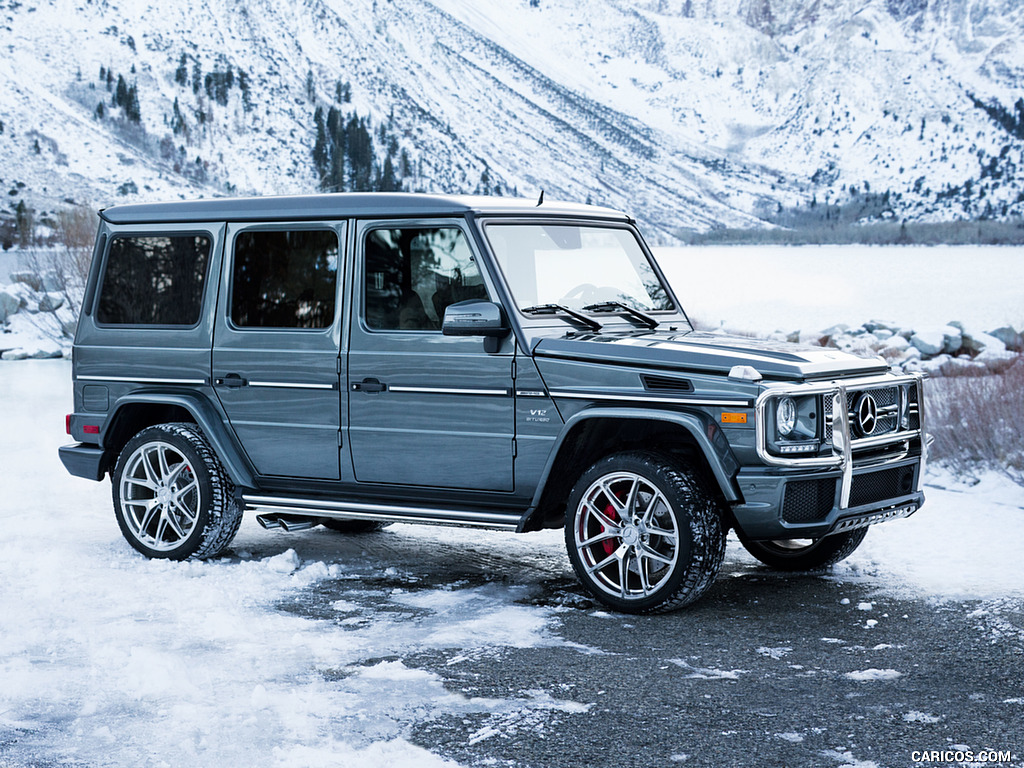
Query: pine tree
101, 111
181, 73
197, 76
121, 92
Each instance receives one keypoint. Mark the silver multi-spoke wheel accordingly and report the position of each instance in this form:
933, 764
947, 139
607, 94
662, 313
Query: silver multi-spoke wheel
160, 496
172, 497
644, 534
626, 535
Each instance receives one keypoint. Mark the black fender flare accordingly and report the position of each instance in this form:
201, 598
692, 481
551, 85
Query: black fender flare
210, 420
703, 429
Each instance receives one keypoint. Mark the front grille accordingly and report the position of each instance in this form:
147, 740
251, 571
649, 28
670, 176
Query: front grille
873, 487
885, 397
808, 501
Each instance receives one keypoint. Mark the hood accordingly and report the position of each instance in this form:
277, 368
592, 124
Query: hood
709, 352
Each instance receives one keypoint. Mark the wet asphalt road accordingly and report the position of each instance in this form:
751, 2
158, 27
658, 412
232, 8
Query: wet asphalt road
767, 670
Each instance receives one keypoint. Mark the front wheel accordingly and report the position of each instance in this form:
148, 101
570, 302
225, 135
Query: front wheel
643, 534
805, 554
172, 498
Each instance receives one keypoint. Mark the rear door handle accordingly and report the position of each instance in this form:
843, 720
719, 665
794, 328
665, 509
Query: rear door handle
369, 385
232, 380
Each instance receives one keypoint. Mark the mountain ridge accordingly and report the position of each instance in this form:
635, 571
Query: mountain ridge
689, 115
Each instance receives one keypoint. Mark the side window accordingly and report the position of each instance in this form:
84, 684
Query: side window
154, 280
284, 279
413, 274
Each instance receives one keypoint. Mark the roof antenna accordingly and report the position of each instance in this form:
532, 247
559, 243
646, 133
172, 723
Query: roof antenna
541, 198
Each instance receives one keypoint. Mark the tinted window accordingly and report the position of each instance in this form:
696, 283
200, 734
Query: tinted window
412, 275
284, 279
154, 280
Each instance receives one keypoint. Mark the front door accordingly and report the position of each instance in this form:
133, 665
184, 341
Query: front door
424, 409
275, 355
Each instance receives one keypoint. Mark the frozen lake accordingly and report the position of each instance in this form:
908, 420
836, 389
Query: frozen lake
766, 288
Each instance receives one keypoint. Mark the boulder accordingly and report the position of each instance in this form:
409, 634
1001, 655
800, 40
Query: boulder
1012, 339
895, 344
882, 334
10, 302
51, 281
31, 279
929, 342
22, 293
952, 339
51, 302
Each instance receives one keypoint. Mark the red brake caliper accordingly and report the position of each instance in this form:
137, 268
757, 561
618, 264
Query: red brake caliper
609, 544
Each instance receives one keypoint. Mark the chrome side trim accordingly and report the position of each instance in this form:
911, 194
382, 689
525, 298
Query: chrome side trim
141, 380
449, 391
530, 393
643, 399
343, 509
289, 385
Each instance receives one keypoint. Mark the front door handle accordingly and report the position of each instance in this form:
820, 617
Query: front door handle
232, 380
369, 385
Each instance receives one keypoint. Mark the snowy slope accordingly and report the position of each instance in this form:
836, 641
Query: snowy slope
689, 114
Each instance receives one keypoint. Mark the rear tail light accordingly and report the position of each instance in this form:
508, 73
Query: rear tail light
67, 423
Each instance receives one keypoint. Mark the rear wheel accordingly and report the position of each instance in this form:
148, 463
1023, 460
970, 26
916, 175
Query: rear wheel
172, 498
643, 534
805, 554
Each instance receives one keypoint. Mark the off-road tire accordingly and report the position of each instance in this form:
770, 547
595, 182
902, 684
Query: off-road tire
676, 500
196, 484
818, 554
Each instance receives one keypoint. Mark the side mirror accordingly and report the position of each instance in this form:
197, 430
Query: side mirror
476, 317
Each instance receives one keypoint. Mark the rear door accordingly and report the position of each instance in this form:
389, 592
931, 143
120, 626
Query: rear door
424, 409
275, 354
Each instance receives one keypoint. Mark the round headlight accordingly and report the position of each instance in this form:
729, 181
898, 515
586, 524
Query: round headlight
785, 416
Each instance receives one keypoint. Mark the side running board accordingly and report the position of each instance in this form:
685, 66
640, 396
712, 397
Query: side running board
293, 514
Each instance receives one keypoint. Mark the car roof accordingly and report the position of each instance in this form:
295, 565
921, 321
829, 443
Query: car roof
344, 205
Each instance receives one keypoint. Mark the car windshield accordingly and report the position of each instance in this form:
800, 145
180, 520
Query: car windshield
576, 267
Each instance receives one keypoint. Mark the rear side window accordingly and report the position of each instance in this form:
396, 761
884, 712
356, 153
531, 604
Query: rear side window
284, 279
154, 280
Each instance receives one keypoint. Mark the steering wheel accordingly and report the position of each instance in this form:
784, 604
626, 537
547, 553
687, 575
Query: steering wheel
581, 294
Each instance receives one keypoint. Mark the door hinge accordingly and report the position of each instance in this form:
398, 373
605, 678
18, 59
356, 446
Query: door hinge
515, 448
514, 369
339, 438
339, 366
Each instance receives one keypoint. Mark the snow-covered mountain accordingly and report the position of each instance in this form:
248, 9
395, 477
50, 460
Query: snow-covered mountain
688, 113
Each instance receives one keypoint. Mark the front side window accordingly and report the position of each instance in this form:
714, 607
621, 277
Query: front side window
284, 279
413, 274
154, 280
576, 266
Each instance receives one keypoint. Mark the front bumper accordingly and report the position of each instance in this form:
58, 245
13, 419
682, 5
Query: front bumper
807, 505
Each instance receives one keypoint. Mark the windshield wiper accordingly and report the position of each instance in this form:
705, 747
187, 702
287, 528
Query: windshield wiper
618, 306
550, 309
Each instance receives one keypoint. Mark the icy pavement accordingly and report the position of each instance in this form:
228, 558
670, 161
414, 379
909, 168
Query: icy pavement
422, 646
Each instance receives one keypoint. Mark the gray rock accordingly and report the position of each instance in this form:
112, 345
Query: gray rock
50, 302
31, 279
1010, 337
10, 302
51, 281
930, 343
952, 339
882, 334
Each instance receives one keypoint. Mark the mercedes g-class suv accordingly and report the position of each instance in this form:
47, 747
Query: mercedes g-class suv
353, 360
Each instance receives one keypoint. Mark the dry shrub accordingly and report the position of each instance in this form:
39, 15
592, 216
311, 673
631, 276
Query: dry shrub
976, 419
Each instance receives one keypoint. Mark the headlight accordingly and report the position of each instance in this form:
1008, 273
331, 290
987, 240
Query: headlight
785, 416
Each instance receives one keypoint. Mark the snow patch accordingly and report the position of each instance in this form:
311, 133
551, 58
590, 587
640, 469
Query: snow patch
873, 675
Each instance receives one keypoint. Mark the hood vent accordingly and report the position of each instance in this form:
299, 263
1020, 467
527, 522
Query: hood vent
666, 384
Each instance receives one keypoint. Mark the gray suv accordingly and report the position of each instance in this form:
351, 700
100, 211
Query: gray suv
360, 359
